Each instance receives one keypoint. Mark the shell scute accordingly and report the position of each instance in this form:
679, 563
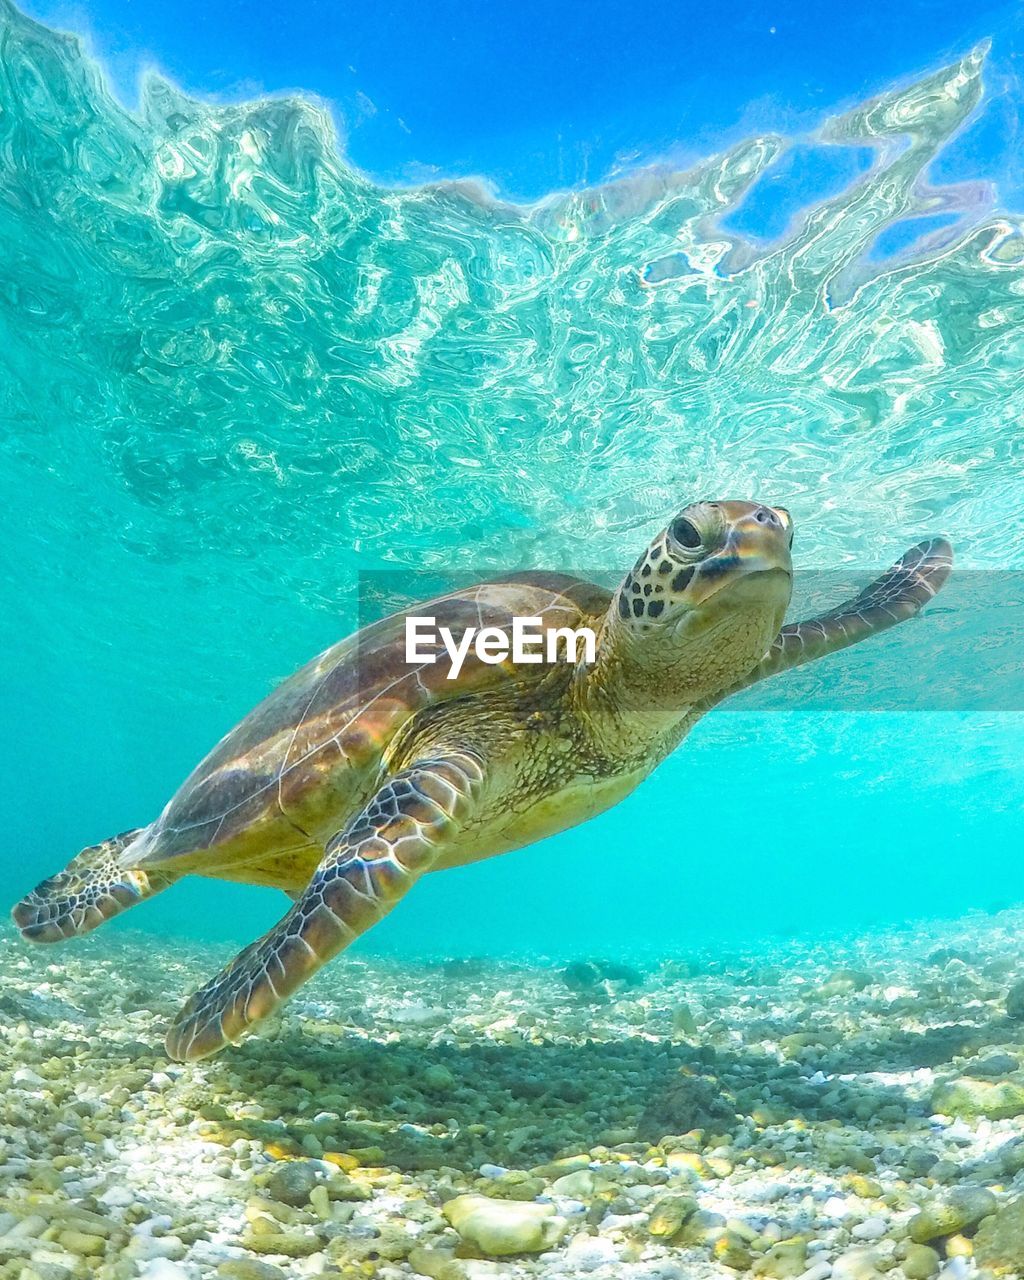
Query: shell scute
337, 714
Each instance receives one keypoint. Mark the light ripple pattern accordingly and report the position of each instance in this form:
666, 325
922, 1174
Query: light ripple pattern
238, 335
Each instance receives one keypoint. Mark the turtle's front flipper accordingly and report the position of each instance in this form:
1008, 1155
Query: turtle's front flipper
93, 887
366, 869
894, 597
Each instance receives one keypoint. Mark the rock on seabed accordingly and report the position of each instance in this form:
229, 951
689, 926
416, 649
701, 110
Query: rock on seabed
503, 1227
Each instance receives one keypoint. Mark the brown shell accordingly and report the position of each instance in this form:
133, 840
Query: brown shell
332, 720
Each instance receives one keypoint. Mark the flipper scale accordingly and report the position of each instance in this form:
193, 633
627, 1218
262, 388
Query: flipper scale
366, 869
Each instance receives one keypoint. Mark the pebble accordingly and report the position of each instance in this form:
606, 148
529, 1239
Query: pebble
970, 1099
999, 1242
320, 1201
25, 1076
670, 1214
290, 1246
147, 1246
1015, 1001
577, 1186
588, 1253
994, 1064
921, 1262
170, 1247
502, 1227
437, 1079
785, 1260
163, 1269
731, 1251
117, 1197
963, 1207
249, 1269
870, 1229
292, 1182
856, 1264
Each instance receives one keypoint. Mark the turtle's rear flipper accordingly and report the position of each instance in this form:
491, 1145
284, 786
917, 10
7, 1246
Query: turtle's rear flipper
94, 887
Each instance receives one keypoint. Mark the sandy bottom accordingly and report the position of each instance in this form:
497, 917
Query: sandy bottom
847, 1110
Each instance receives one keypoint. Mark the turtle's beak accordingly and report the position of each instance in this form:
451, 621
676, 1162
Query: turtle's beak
755, 559
762, 540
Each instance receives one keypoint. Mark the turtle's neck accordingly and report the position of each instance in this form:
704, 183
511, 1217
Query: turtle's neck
633, 707
647, 688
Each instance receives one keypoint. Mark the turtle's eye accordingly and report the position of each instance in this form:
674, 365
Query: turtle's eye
685, 532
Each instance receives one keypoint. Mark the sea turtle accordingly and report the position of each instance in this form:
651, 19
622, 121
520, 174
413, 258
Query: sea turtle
365, 769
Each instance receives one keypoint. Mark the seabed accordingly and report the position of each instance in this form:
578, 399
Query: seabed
844, 1110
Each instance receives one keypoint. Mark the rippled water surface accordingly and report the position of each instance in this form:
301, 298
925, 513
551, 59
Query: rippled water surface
235, 373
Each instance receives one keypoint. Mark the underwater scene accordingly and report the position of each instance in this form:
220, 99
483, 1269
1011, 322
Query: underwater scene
434, 433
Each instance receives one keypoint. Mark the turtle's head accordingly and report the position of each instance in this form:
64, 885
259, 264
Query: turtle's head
702, 604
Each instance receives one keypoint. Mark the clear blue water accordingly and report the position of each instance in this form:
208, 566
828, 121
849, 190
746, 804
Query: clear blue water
237, 373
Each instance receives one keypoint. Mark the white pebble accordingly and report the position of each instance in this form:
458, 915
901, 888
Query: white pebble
492, 1171
155, 1226
870, 1229
621, 1221
569, 1208
208, 1188
658, 1269
117, 1197
29, 1228
157, 1247
587, 1253
161, 1269
856, 1264
820, 1271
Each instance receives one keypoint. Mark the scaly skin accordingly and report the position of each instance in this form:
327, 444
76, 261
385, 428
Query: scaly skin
365, 870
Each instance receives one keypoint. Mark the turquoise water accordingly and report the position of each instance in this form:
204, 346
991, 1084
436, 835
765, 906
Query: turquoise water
236, 375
